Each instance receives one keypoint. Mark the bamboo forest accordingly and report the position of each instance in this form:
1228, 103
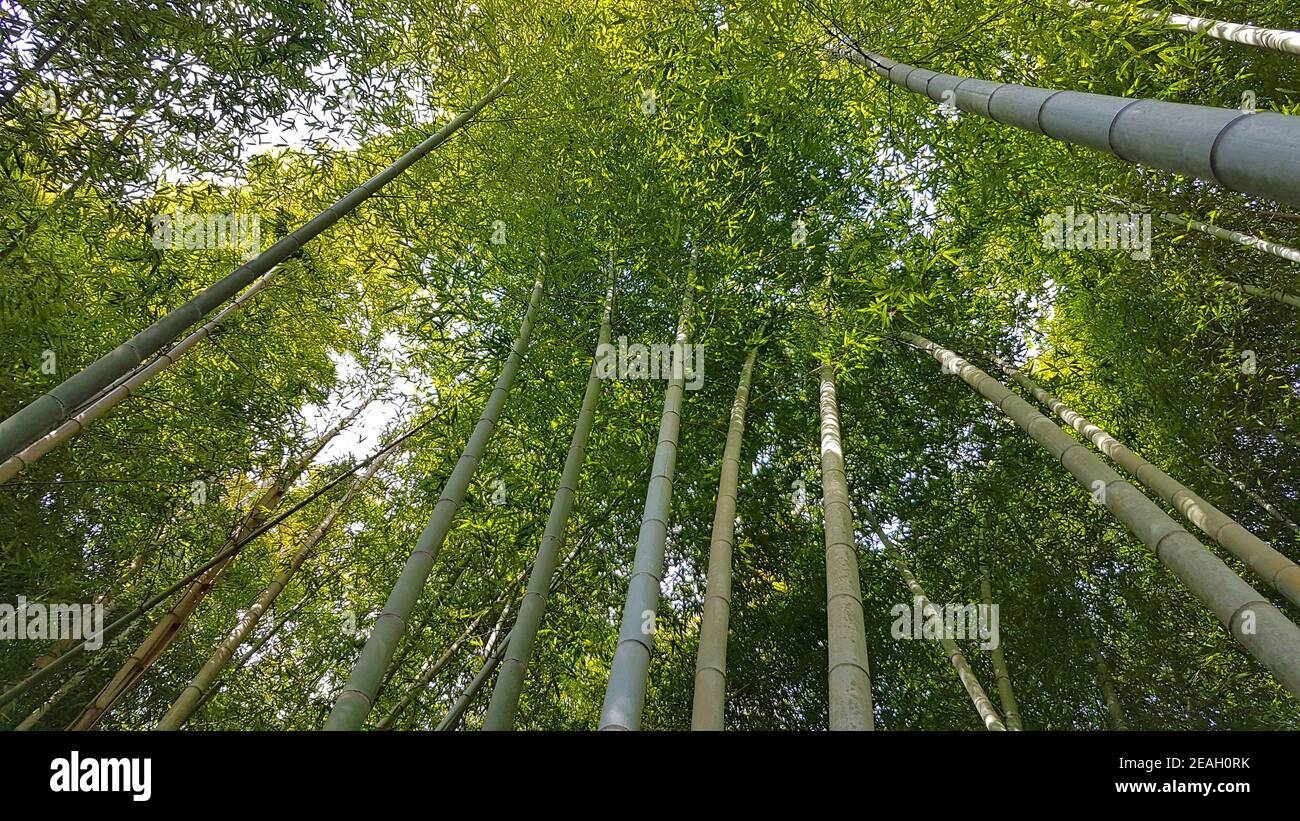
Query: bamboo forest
574, 365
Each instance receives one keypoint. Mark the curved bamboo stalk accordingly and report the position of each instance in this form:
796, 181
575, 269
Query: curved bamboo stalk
47, 411
1007, 695
1241, 33
709, 702
1246, 614
1252, 153
630, 670
84, 418
510, 681
1277, 571
357, 696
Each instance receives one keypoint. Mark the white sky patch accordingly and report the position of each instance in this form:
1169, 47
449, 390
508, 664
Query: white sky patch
364, 436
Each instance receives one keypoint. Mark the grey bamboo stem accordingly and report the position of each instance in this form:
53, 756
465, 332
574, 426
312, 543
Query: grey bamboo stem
1246, 614
978, 696
357, 697
514, 665
1107, 684
189, 699
125, 388
709, 703
46, 412
1257, 243
1253, 290
457, 711
1268, 506
1006, 694
1241, 33
430, 671
1255, 153
846, 637
1277, 571
630, 670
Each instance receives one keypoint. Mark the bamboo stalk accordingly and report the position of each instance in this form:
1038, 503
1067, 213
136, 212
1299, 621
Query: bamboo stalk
514, 664
1277, 571
1253, 153
357, 696
709, 702
1246, 614
46, 412
1006, 694
629, 672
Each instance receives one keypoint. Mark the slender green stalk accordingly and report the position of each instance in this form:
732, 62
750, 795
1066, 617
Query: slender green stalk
709, 703
46, 412
630, 670
430, 671
206, 678
1107, 683
457, 711
123, 389
510, 681
1247, 615
1277, 571
1268, 506
850, 677
978, 696
169, 626
1010, 710
357, 696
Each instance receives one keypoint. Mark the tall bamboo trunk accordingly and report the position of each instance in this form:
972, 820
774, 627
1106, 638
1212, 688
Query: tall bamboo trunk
82, 419
1268, 506
169, 626
849, 672
1277, 571
1244, 612
1007, 695
46, 412
188, 701
709, 703
1252, 153
629, 673
466, 698
1107, 684
514, 664
1242, 33
978, 696
357, 697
